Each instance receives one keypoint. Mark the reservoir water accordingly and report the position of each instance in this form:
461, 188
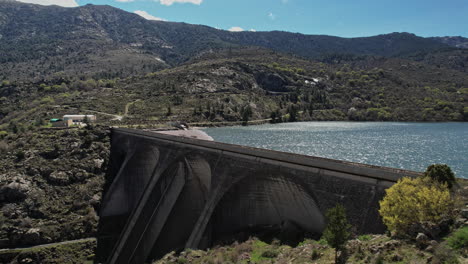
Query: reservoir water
411, 146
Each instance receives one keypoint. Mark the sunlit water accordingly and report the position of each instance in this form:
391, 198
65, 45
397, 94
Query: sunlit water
411, 146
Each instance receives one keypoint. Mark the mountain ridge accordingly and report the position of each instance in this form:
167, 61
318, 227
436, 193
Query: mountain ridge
103, 40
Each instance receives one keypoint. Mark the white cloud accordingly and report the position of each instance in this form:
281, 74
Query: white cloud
64, 3
145, 14
271, 16
252, 30
170, 2
236, 29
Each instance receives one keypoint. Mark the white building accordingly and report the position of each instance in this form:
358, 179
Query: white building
78, 120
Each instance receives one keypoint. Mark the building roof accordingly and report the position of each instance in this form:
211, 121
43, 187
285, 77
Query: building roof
77, 116
55, 119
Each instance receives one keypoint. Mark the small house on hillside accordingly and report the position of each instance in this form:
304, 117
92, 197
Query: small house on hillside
78, 120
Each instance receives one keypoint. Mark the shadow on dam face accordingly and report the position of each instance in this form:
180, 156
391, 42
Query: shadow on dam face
269, 206
166, 193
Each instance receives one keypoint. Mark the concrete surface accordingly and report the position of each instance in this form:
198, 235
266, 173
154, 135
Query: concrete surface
167, 193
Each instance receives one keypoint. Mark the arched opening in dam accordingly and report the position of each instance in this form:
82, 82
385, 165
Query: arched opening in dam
267, 206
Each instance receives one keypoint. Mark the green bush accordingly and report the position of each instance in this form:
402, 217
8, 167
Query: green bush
441, 173
3, 134
459, 239
270, 254
365, 237
412, 202
47, 100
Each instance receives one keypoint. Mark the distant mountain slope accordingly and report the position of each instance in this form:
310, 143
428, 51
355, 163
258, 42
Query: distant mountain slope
104, 41
222, 86
459, 42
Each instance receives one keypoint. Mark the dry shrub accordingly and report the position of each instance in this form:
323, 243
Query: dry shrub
4, 147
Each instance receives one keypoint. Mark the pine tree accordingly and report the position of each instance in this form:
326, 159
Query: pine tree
336, 232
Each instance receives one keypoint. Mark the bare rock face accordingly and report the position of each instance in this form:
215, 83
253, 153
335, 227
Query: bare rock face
15, 190
271, 82
59, 177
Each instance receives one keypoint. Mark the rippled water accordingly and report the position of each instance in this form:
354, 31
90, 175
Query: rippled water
411, 146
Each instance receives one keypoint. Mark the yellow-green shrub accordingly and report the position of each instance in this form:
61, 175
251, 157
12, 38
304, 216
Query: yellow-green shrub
415, 201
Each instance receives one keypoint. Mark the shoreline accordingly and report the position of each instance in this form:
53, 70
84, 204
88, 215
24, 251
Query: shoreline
198, 125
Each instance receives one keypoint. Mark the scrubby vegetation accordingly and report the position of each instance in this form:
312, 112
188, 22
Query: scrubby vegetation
250, 84
448, 247
376, 249
412, 205
459, 240
72, 252
50, 184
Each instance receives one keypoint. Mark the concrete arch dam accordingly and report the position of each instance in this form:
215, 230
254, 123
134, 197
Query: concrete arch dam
167, 193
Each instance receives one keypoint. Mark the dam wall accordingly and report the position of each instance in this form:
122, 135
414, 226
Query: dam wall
168, 193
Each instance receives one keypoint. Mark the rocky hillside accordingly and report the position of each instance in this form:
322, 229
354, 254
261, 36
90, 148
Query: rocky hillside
105, 42
459, 42
252, 84
50, 185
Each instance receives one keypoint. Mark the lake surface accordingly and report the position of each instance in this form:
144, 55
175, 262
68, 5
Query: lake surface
411, 146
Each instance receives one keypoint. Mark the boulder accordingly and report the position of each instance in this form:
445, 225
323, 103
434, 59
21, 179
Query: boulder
32, 236
14, 191
430, 229
80, 175
464, 213
27, 260
59, 177
422, 240
430, 249
459, 222
392, 244
95, 200
98, 163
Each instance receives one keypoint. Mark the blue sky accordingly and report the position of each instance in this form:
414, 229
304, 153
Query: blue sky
346, 18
